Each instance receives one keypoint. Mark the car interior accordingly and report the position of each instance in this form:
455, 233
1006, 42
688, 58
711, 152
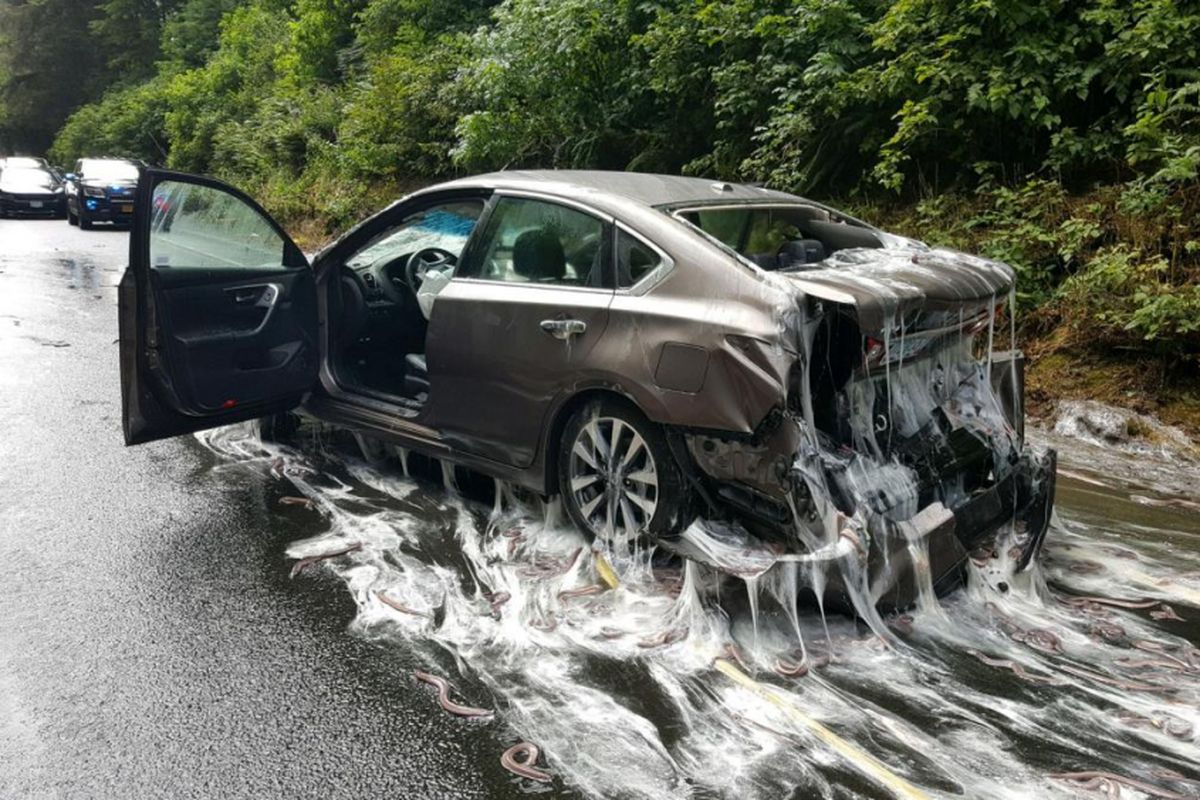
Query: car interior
784, 237
379, 345
386, 289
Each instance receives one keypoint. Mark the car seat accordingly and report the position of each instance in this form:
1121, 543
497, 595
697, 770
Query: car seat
799, 252
538, 256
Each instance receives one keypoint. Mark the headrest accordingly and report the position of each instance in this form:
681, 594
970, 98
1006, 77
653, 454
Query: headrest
801, 251
538, 256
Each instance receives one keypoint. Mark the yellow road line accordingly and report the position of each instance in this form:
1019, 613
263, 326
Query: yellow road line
605, 570
868, 764
865, 762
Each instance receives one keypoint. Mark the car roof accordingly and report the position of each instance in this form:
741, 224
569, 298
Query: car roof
639, 187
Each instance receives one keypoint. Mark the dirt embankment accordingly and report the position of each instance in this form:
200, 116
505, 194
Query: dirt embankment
1060, 370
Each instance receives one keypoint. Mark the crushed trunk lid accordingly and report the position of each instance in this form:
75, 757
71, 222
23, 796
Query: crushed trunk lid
884, 284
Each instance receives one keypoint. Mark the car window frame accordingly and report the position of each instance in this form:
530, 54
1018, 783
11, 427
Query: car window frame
420, 204
681, 210
340, 249
666, 264
607, 220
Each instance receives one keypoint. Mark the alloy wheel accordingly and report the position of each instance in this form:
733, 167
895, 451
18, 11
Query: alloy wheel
613, 479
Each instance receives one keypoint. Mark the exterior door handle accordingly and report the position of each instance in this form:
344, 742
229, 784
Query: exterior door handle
564, 328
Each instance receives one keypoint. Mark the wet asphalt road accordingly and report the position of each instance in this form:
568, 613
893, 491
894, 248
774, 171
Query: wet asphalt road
151, 643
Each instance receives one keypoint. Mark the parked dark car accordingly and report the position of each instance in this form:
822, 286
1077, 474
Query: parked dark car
30, 191
655, 350
101, 190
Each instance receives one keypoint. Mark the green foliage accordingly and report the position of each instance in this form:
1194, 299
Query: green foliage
400, 116
48, 66
1124, 292
128, 33
320, 35
550, 82
126, 122
1061, 136
227, 90
190, 35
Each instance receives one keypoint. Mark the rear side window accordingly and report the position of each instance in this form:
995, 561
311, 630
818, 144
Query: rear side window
635, 260
536, 241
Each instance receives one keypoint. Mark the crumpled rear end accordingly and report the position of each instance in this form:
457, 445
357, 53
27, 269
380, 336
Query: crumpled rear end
899, 451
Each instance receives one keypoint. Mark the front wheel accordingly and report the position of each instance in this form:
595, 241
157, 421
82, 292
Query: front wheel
84, 222
617, 476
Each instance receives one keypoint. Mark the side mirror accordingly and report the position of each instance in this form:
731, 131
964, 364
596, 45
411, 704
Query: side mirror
70, 176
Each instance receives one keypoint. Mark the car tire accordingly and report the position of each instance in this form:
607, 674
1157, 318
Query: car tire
84, 223
639, 489
71, 218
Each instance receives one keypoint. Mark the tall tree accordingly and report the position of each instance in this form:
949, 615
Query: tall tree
48, 67
129, 32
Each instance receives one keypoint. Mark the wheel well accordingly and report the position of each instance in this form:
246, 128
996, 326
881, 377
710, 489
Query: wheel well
550, 478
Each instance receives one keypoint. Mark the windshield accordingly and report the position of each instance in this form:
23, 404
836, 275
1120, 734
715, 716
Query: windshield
27, 180
109, 171
446, 227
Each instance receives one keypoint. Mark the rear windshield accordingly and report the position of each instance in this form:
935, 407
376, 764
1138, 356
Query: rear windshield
781, 236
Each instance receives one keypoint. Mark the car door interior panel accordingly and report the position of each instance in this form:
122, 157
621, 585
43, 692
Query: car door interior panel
218, 311
238, 339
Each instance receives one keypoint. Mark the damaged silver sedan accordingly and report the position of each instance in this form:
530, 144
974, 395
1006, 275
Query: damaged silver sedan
745, 377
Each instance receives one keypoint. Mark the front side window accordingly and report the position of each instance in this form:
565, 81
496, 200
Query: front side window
199, 226
445, 226
534, 241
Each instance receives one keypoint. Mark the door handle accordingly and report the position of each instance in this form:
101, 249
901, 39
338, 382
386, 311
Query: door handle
564, 328
260, 294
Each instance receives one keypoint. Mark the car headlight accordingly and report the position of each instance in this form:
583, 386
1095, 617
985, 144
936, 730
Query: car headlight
93, 191
58, 190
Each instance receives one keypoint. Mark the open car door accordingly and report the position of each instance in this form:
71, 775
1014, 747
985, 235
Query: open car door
218, 311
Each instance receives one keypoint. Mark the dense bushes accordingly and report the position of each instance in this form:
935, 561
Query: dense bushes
1061, 136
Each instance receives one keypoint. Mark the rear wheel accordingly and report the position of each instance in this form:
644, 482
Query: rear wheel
617, 476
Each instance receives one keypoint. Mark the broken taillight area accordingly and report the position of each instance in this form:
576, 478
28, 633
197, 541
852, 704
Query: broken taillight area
902, 451
918, 333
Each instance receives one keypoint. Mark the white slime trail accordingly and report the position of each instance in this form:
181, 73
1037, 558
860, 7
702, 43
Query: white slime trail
985, 694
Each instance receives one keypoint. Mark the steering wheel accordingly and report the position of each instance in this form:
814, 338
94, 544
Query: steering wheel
424, 260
